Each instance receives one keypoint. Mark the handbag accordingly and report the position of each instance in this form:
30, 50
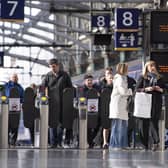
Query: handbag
142, 105
130, 104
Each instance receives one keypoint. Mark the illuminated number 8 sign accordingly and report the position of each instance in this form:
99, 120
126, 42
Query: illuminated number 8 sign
100, 20
126, 18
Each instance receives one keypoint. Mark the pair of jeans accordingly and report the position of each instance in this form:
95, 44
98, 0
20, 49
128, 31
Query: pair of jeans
56, 136
119, 136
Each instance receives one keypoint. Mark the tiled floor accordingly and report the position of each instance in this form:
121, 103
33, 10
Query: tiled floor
70, 158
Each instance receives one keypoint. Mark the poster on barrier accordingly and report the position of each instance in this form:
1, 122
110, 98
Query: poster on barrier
92, 105
14, 104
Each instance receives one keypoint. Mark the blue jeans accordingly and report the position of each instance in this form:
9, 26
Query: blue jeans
56, 136
119, 136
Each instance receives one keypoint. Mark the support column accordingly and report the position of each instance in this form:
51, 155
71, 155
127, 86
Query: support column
122, 56
90, 59
106, 60
78, 55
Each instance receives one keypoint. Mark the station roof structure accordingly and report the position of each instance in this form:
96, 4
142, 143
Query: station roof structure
56, 28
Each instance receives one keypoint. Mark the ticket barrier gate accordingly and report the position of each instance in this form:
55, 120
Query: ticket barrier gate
82, 123
44, 110
162, 125
4, 123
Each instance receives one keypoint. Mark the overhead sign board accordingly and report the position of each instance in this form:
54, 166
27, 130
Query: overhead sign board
159, 27
1, 58
126, 41
100, 20
126, 29
12, 10
161, 59
126, 19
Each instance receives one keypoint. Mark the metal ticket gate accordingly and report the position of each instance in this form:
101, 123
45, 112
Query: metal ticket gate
162, 125
4, 123
82, 123
44, 110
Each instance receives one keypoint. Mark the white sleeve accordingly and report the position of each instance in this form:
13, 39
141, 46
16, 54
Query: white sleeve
122, 87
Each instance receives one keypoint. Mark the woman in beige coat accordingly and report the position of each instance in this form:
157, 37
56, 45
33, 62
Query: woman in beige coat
118, 110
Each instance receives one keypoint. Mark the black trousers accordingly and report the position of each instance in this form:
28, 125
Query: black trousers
12, 135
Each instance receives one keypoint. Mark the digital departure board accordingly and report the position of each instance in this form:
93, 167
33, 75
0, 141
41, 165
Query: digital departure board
161, 59
159, 27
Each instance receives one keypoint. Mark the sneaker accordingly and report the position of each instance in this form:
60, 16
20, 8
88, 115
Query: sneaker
126, 148
105, 146
53, 146
154, 147
66, 146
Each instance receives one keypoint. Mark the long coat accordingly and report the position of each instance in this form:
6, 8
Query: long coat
56, 84
119, 97
149, 129
156, 96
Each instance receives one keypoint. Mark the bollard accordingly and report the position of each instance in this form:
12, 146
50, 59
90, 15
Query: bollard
4, 122
43, 122
37, 133
162, 126
82, 123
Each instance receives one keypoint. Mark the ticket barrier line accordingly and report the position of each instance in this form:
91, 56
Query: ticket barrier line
4, 123
4, 117
82, 123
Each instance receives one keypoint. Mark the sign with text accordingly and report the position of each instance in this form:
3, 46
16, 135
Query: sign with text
161, 59
126, 19
159, 27
92, 105
100, 20
126, 41
12, 10
1, 58
14, 104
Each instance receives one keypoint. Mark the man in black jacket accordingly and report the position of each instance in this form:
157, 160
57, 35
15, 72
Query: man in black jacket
55, 81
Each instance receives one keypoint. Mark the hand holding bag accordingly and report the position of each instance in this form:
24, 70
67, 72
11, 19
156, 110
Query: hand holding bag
142, 105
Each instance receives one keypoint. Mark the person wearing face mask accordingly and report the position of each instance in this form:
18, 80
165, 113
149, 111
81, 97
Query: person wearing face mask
152, 83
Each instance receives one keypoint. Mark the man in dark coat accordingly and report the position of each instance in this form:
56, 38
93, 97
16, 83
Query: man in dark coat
55, 81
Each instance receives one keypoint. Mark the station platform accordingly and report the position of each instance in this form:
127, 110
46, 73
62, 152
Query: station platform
73, 158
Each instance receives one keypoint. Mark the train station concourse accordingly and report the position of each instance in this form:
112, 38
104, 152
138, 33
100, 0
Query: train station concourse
83, 83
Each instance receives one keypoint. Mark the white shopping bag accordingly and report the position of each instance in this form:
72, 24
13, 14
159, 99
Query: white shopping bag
142, 105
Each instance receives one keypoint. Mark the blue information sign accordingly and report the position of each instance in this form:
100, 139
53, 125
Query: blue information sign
100, 20
126, 41
12, 10
1, 58
126, 18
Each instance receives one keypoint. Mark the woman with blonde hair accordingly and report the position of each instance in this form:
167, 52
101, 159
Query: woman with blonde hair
152, 83
118, 108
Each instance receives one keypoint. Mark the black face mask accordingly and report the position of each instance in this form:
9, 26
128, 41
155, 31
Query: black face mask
152, 77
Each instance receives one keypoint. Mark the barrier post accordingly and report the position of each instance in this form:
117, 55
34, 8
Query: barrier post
4, 122
162, 127
82, 123
44, 122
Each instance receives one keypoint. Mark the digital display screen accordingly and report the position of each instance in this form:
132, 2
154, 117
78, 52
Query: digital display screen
102, 39
161, 59
159, 27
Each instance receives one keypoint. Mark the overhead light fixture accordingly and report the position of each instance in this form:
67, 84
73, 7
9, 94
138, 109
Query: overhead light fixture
81, 37
70, 42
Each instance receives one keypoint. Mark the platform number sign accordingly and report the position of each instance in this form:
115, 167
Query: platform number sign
126, 18
100, 20
12, 10
1, 58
